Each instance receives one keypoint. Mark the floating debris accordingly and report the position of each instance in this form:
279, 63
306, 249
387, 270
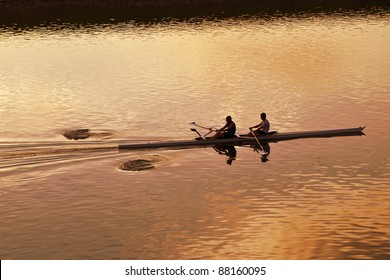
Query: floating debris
137, 165
148, 162
77, 134
85, 133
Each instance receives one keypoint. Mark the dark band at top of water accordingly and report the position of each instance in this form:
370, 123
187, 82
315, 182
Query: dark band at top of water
23, 12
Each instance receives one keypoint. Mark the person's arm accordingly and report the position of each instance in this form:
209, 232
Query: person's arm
257, 126
223, 128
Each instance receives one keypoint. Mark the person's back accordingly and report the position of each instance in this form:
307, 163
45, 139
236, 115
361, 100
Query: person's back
231, 129
227, 131
263, 127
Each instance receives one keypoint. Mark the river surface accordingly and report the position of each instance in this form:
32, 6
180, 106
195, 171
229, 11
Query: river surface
134, 82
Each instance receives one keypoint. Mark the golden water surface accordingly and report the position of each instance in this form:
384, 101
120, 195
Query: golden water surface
313, 199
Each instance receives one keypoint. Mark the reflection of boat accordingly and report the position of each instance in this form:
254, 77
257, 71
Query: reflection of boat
283, 136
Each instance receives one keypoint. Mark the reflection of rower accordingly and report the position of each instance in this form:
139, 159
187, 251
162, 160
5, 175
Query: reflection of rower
264, 149
228, 150
266, 152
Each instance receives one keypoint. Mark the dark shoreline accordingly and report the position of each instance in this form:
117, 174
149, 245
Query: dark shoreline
30, 12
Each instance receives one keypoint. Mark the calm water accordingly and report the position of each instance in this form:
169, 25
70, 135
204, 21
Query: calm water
313, 199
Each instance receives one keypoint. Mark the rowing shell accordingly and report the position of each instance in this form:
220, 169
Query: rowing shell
246, 140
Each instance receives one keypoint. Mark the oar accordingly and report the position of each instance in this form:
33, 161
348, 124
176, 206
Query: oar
258, 142
209, 128
194, 130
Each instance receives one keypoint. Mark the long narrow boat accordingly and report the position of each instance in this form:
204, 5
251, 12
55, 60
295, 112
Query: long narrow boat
283, 136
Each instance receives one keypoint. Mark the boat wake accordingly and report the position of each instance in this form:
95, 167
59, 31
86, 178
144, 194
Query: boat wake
29, 154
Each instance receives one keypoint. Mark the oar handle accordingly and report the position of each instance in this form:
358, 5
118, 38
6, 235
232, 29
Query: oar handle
201, 126
257, 140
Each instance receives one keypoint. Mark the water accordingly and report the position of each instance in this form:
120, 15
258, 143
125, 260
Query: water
313, 199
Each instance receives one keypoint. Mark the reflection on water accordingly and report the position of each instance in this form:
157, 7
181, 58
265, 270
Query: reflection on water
314, 199
230, 151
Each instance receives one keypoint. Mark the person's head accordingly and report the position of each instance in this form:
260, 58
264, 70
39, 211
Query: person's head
263, 116
228, 119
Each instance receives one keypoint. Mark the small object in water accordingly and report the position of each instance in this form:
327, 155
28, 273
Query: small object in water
77, 134
147, 162
137, 165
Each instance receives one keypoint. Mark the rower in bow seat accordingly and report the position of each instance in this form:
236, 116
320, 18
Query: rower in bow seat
262, 128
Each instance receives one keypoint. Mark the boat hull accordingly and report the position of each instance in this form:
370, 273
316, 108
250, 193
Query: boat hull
358, 131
